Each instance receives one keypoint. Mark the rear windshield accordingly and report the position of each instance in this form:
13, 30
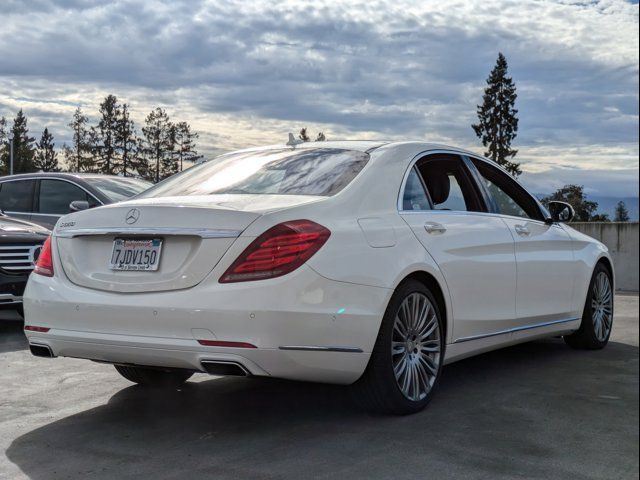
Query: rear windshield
118, 188
320, 171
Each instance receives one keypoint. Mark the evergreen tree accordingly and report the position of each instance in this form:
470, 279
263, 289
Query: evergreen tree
574, 195
3, 143
320, 137
46, 158
23, 147
158, 141
497, 123
184, 144
107, 131
303, 135
79, 157
126, 143
622, 214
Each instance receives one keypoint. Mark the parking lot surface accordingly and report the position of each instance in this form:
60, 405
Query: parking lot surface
539, 410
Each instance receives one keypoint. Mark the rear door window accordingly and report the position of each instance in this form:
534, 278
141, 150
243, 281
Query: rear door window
448, 183
17, 196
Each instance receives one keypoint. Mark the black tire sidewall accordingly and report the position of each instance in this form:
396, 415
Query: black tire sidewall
386, 374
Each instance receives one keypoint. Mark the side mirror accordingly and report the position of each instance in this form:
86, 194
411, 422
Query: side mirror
78, 205
561, 212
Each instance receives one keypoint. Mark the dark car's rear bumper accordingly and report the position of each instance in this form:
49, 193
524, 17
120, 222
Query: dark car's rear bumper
11, 289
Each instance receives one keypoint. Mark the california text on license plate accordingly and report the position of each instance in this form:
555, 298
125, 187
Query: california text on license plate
135, 254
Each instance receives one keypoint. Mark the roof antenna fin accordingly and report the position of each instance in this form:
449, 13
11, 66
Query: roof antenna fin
292, 141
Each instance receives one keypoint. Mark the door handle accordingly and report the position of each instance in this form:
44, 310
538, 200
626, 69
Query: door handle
433, 227
522, 230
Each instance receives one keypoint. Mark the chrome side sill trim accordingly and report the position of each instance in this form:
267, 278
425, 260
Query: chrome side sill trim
516, 329
315, 348
196, 232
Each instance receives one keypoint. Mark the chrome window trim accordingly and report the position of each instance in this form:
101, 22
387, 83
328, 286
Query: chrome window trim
515, 329
196, 232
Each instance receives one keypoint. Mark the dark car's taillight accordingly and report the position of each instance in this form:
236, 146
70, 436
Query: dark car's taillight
278, 251
44, 264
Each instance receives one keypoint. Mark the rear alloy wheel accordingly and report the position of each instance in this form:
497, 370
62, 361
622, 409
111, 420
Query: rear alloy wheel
597, 319
152, 377
407, 359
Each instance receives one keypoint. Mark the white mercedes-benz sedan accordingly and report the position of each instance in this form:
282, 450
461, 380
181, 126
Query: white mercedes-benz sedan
369, 264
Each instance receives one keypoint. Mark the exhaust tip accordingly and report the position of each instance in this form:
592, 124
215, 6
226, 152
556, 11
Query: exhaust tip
224, 368
41, 350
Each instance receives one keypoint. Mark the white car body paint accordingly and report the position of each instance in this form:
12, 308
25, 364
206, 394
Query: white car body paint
319, 322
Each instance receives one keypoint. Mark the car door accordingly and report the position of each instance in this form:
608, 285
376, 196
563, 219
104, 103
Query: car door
474, 251
544, 252
53, 200
16, 198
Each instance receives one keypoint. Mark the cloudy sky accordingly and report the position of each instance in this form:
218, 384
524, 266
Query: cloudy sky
246, 73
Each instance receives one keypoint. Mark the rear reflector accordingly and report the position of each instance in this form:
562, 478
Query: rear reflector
44, 264
278, 251
33, 328
222, 343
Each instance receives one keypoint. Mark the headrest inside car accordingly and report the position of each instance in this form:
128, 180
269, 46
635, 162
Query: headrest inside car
439, 185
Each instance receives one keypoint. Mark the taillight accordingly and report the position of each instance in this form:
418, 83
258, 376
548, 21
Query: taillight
44, 264
278, 251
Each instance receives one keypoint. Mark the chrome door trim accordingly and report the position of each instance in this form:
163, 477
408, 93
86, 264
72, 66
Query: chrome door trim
152, 231
515, 329
316, 348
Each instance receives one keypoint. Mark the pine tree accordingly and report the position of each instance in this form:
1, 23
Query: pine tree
185, 146
622, 214
497, 123
23, 147
3, 144
303, 135
79, 157
320, 137
108, 160
126, 143
46, 158
158, 143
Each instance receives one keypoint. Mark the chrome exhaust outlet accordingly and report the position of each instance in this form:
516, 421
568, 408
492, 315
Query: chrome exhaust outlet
224, 368
38, 350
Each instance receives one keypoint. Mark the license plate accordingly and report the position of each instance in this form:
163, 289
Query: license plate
135, 255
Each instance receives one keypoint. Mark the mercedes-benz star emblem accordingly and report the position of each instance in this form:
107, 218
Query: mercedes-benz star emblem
132, 216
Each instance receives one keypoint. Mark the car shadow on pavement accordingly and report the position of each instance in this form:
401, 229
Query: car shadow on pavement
534, 410
12, 336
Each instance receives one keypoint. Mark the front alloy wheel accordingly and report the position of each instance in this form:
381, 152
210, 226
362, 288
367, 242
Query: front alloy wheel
597, 318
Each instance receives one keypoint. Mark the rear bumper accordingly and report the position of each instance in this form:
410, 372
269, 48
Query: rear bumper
305, 327
11, 289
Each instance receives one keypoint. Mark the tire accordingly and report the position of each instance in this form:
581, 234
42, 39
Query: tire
597, 318
20, 310
151, 377
380, 390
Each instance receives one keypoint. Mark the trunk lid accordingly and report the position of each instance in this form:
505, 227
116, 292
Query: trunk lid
195, 232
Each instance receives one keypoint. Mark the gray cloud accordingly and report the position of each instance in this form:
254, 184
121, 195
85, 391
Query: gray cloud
391, 69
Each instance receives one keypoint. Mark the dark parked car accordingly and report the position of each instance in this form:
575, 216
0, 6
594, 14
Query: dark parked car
42, 198
20, 245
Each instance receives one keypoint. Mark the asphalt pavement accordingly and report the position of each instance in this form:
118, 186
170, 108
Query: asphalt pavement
538, 410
